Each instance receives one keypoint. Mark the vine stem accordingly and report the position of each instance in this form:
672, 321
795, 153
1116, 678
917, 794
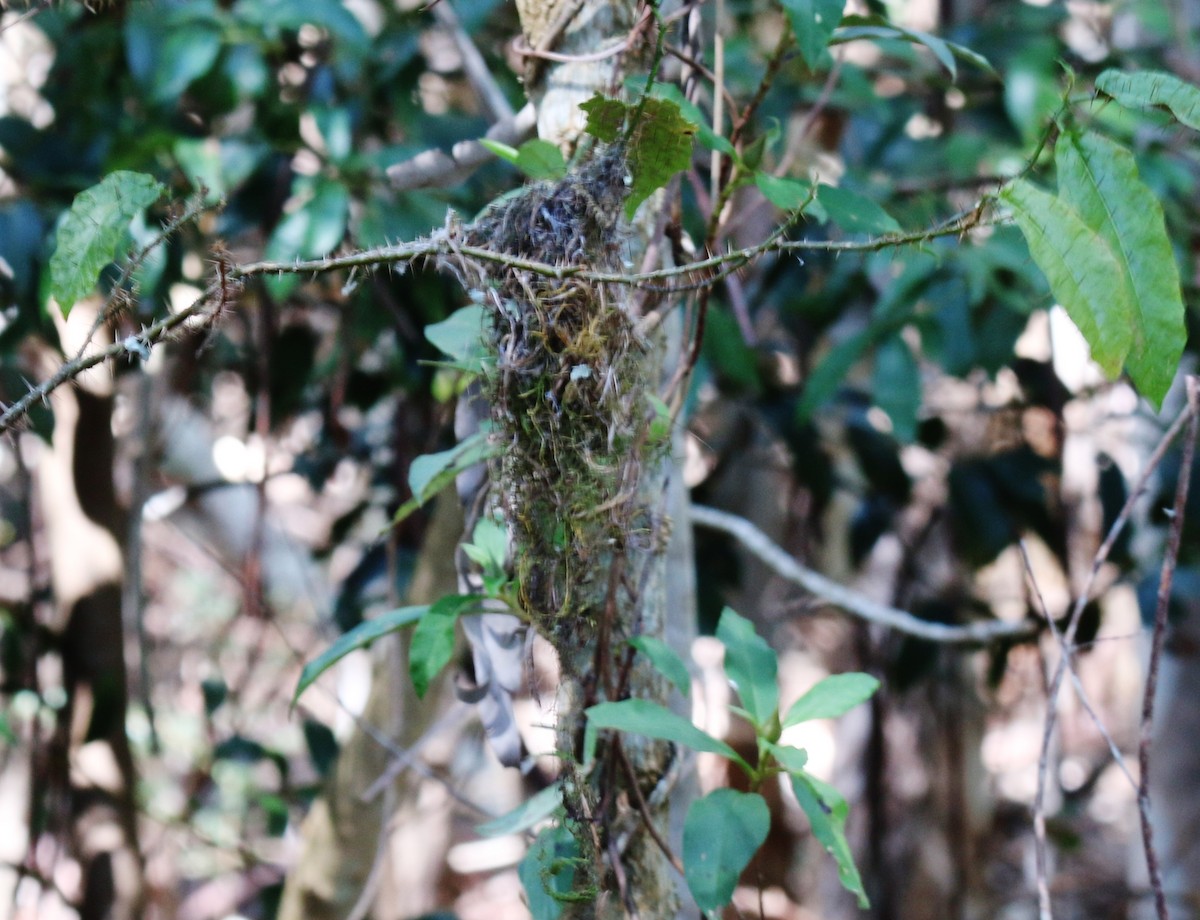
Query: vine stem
1156, 645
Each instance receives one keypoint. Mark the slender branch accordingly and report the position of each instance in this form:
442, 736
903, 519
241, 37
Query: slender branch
851, 601
474, 65
1081, 601
441, 244
1156, 646
436, 168
1068, 653
133, 346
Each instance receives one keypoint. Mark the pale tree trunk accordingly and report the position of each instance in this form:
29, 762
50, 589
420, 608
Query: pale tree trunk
93, 765
341, 870
602, 577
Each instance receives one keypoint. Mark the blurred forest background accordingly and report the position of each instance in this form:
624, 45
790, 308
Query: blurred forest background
180, 535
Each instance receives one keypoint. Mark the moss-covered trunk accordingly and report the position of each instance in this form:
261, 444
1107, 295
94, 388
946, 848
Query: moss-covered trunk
583, 479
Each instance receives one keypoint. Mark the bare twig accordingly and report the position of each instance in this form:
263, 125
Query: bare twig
851, 601
1081, 600
133, 346
1156, 645
437, 168
475, 67
1068, 653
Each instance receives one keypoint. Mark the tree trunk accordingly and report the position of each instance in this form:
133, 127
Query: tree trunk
93, 764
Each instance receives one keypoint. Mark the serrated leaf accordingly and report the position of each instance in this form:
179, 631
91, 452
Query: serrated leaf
666, 660
91, 229
1100, 180
660, 147
362, 635
689, 110
721, 833
532, 811
605, 117
832, 697
642, 717
813, 22
1151, 89
1082, 271
855, 213
826, 811
433, 640
751, 664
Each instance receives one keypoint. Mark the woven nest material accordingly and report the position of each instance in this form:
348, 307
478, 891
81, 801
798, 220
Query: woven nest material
567, 392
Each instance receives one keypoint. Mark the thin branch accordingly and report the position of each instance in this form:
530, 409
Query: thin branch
1081, 601
133, 346
436, 168
475, 67
851, 601
1156, 645
1068, 653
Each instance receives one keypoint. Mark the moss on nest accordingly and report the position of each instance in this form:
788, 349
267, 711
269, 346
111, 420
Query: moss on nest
566, 392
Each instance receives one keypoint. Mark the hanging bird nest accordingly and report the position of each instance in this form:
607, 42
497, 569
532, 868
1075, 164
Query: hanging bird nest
568, 387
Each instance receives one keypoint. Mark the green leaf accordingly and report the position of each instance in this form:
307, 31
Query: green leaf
548, 870
831, 697
537, 158
605, 117
1151, 89
532, 811
666, 660
826, 811
1100, 180
855, 213
426, 474
792, 759
361, 635
860, 27
642, 717
827, 376
90, 231
460, 335
896, 386
490, 539
791, 195
1082, 271
541, 159
721, 834
688, 109
433, 639
813, 22
751, 664
660, 147
310, 231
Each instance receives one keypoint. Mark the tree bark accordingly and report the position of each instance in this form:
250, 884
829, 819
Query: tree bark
92, 761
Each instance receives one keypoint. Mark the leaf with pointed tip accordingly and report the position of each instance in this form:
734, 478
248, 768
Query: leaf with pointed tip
751, 664
813, 22
91, 229
1100, 180
1082, 271
826, 810
831, 697
1151, 89
666, 660
721, 834
433, 640
360, 636
642, 717
661, 146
